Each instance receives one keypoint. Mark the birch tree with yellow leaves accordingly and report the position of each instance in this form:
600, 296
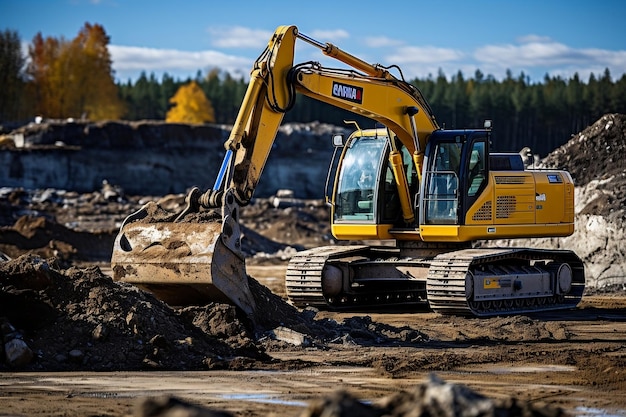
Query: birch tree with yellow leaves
190, 106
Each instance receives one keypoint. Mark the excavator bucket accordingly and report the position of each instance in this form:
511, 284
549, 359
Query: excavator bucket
184, 262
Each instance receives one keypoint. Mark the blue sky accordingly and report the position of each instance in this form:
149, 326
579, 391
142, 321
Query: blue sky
422, 37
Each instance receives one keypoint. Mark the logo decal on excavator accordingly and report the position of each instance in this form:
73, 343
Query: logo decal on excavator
348, 92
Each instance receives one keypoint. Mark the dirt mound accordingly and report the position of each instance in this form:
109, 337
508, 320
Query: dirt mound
595, 159
80, 319
46, 238
595, 153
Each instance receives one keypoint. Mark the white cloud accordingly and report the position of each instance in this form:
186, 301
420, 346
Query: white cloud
533, 38
328, 35
537, 53
381, 42
133, 60
239, 37
424, 55
530, 54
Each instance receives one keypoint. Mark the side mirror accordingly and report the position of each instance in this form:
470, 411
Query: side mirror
338, 141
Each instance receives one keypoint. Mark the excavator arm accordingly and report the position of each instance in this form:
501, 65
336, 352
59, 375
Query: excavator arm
365, 89
182, 259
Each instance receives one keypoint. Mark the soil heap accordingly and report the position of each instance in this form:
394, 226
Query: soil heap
71, 318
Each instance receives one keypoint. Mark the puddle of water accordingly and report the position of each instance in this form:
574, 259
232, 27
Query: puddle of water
596, 412
263, 398
531, 369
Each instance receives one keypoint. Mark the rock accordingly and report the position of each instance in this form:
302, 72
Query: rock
6, 330
100, 332
435, 397
151, 364
76, 355
111, 192
159, 341
17, 353
290, 336
340, 404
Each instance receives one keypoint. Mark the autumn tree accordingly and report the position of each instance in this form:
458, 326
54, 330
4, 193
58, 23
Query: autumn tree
75, 78
190, 106
42, 71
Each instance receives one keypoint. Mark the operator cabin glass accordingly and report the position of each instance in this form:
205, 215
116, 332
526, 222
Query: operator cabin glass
442, 184
356, 191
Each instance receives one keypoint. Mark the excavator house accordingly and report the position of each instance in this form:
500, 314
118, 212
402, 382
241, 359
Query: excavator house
430, 191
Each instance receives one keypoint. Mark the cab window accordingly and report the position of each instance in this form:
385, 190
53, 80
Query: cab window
476, 177
358, 178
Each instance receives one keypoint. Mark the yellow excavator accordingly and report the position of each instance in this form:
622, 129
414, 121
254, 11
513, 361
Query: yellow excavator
433, 192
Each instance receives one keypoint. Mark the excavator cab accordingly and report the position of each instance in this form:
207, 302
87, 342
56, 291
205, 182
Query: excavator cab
366, 201
365, 192
357, 183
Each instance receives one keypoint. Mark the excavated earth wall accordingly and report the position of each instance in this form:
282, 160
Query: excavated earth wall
155, 158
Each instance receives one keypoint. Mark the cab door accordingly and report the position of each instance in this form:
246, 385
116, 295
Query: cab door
455, 175
440, 191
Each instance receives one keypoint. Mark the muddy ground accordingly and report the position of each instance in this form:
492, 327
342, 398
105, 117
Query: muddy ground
77, 343
104, 348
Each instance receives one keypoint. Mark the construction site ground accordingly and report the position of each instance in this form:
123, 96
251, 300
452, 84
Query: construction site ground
92, 346
131, 347
570, 360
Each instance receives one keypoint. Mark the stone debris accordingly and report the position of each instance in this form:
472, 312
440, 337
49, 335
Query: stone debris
16, 351
285, 334
174, 407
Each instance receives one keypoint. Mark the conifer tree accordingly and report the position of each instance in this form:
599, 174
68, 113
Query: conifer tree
11, 63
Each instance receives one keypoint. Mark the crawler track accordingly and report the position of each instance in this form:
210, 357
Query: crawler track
377, 278
446, 284
303, 279
441, 281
